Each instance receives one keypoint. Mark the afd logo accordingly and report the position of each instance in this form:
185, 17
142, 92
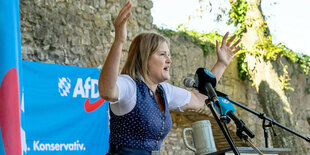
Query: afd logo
64, 86
84, 89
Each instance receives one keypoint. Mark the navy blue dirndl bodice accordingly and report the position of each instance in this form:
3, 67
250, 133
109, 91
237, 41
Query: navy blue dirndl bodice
145, 126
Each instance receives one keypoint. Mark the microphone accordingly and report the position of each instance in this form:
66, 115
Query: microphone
228, 109
189, 82
205, 81
226, 106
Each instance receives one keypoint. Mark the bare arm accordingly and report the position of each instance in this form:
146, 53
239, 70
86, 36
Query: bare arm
108, 89
224, 54
196, 102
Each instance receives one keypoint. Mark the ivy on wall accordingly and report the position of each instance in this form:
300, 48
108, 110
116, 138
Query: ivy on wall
265, 48
238, 15
205, 41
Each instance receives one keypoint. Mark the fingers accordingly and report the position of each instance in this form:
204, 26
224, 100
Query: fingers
126, 18
224, 39
127, 5
124, 14
125, 11
235, 44
235, 51
230, 40
227, 44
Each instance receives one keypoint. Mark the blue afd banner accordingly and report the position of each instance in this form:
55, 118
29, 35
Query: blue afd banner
63, 111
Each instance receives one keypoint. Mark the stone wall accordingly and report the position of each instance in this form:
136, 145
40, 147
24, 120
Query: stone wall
80, 33
77, 33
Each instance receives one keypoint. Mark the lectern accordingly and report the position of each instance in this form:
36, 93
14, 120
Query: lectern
250, 151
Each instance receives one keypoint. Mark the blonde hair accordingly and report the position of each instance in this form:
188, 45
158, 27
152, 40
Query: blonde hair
140, 50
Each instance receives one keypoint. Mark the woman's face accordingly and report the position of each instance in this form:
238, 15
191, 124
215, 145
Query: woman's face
159, 64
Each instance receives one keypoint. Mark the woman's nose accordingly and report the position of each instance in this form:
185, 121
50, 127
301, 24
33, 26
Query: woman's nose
168, 60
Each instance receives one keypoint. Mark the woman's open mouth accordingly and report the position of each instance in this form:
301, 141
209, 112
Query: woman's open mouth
166, 68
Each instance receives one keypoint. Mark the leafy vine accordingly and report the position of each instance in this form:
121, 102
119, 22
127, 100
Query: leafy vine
238, 16
205, 41
264, 48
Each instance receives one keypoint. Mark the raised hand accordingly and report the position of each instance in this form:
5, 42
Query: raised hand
226, 51
120, 23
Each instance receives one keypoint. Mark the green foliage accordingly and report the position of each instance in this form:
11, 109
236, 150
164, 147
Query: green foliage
269, 50
238, 15
243, 67
308, 119
272, 51
168, 32
284, 79
265, 48
206, 41
302, 59
304, 62
307, 90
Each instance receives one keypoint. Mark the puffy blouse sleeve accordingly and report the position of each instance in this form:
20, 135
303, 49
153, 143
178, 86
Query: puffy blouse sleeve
176, 96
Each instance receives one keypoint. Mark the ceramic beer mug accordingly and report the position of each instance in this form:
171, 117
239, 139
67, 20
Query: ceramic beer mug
202, 137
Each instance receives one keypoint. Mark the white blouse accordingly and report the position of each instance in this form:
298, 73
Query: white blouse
127, 97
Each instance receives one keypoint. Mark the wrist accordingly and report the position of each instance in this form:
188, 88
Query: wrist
221, 64
118, 42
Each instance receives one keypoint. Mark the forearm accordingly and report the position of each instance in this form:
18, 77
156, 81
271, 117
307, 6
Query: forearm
107, 81
196, 102
218, 70
109, 73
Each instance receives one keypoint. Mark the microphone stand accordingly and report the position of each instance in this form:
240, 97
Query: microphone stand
212, 96
242, 127
264, 118
245, 140
227, 136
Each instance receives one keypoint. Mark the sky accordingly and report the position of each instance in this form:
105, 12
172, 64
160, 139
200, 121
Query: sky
288, 20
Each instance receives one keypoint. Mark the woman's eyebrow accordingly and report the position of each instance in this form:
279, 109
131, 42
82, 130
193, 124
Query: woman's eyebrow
164, 51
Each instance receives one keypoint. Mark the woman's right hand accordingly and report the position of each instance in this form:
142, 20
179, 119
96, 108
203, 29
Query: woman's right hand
120, 23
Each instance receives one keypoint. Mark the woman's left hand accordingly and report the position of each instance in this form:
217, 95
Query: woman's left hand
226, 51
